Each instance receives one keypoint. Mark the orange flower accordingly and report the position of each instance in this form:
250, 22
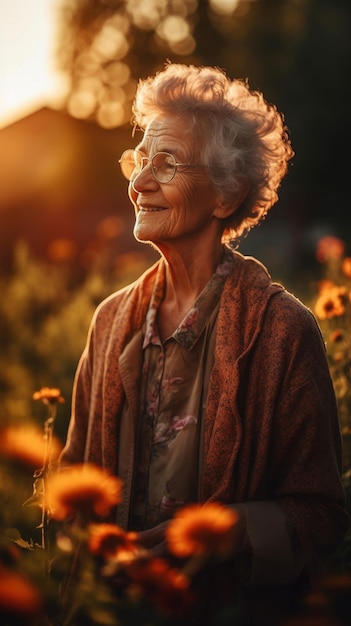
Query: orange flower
49, 395
20, 601
346, 267
331, 303
85, 489
329, 248
27, 445
325, 285
337, 336
197, 530
167, 588
338, 357
110, 541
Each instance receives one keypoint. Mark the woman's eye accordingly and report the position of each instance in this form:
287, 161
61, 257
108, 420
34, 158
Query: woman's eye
169, 163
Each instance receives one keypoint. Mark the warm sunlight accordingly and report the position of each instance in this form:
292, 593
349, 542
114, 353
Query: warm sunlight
28, 76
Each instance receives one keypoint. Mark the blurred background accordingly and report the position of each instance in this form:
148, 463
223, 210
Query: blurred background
67, 79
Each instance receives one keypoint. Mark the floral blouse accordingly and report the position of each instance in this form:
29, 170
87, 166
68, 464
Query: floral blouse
166, 463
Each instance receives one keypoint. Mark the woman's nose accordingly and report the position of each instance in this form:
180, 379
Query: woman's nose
145, 178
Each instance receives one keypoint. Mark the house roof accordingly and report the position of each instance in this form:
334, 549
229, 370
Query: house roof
60, 181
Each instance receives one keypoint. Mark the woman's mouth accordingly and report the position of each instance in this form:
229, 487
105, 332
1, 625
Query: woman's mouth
151, 209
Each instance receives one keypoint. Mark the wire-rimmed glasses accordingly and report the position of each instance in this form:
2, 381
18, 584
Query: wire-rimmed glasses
163, 165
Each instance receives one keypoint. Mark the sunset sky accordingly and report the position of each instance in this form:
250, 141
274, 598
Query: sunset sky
28, 77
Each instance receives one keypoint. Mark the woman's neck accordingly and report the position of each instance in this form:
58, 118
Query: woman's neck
188, 272
186, 276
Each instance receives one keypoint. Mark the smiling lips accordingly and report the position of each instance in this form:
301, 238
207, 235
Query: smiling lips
149, 209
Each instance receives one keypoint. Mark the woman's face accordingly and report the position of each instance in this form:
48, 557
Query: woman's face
183, 209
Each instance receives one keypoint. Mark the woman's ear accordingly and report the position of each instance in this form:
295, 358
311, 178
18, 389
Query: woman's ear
225, 209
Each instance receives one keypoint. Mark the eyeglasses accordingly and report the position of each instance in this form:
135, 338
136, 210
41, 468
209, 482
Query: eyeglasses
163, 165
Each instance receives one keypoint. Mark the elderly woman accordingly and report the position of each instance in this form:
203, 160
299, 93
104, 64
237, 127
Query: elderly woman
203, 380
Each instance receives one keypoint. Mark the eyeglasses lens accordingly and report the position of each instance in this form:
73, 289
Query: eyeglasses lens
163, 165
130, 164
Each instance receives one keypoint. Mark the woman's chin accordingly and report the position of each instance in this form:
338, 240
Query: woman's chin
146, 229
142, 234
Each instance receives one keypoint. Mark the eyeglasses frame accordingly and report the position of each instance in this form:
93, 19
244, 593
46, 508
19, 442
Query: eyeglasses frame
145, 158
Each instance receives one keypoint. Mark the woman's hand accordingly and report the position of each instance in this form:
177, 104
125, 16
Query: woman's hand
154, 539
240, 539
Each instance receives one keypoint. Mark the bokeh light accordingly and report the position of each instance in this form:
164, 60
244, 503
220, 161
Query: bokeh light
224, 7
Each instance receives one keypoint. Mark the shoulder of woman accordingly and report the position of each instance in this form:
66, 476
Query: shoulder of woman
265, 306
290, 323
253, 277
288, 306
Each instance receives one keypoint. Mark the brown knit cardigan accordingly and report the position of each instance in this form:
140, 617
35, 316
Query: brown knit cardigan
271, 428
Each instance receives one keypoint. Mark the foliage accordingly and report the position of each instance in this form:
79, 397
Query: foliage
115, 581
333, 310
97, 574
106, 46
332, 306
44, 318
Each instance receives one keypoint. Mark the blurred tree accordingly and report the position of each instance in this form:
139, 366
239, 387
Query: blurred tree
107, 44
